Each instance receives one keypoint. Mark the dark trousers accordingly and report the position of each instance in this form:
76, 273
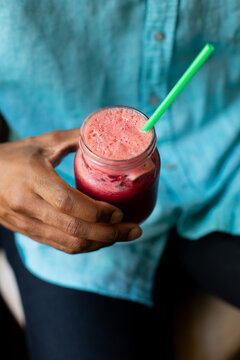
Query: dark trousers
69, 324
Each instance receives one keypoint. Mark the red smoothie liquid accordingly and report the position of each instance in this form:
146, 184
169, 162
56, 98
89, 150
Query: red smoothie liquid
118, 163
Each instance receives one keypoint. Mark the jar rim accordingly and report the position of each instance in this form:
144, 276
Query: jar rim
112, 162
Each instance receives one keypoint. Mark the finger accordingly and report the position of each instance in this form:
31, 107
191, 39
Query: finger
94, 246
68, 200
10, 226
90, 246
59, 143
50, 236
38, 208
114, 233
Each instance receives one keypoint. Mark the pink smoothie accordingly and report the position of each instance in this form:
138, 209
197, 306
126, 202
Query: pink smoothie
114, 134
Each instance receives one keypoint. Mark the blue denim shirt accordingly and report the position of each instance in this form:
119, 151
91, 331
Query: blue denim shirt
61, 60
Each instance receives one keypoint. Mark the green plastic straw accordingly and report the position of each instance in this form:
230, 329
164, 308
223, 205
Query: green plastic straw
193, 68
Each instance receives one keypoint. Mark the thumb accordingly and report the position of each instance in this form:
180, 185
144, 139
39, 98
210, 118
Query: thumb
59, 143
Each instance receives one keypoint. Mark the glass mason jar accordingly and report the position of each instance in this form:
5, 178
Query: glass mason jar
130, 184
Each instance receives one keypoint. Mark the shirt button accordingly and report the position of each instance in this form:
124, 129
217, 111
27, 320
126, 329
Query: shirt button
159, 36
154, 99
170, 166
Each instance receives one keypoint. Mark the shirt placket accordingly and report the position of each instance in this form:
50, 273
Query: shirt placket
158, 42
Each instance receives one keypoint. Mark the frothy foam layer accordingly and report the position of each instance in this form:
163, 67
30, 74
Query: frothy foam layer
116, 134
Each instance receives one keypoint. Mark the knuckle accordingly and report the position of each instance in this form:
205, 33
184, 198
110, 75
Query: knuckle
73, 227
70, 251
17, 203
96, 214
116, 235
35, 153
55, 135
26, 226
29, 139
67, 250
63, 201
101, 214
77, 245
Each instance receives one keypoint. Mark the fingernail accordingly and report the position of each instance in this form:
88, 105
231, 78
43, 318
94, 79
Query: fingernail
134, 234
117, 217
